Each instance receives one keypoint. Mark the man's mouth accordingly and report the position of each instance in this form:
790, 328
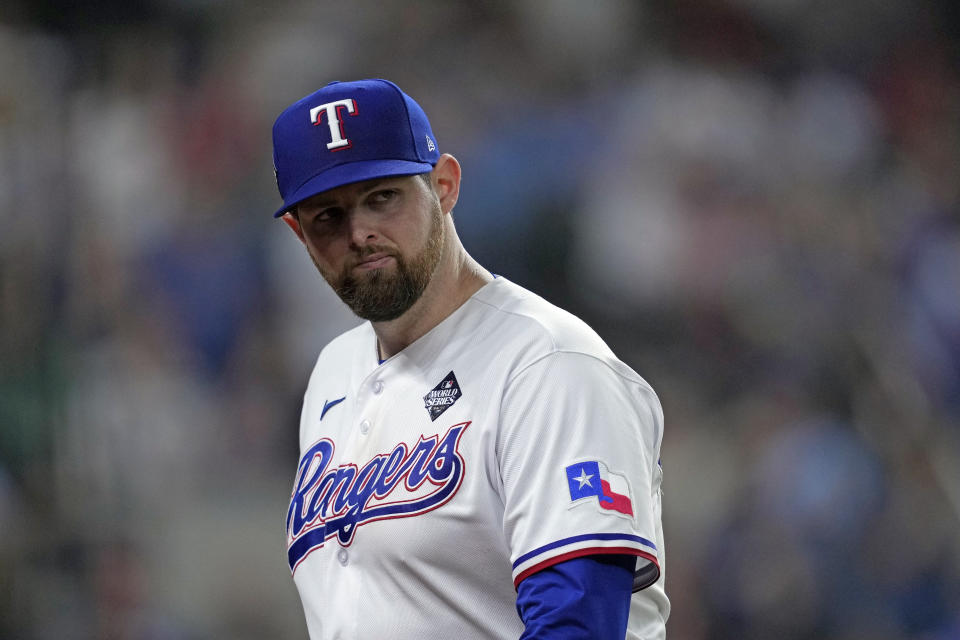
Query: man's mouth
375, 261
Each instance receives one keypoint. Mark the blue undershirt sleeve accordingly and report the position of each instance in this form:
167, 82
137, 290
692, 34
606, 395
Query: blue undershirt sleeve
585, 598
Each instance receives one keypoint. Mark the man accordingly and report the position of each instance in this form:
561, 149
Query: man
475, 462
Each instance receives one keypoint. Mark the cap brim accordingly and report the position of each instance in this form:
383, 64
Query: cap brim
349, 173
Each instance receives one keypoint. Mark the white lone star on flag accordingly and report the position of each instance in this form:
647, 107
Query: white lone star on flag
584, 478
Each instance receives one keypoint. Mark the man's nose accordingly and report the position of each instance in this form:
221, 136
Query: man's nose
361, 226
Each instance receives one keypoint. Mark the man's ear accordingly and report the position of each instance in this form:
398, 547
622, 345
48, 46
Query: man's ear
294, 224
446, 181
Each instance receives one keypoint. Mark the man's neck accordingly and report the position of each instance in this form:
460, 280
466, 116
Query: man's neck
454, 282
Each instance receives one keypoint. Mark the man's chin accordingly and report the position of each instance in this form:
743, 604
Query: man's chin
380, 306
377, 295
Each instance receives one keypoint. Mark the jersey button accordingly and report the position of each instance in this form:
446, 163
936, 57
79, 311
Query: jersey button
365, 427
343, 557
377, 386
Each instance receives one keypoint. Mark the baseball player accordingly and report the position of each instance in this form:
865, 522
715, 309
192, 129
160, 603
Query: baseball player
474, 462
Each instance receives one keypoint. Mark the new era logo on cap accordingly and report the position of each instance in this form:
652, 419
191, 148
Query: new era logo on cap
347, 132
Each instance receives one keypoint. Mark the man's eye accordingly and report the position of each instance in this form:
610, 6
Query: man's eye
384, 195
330, 214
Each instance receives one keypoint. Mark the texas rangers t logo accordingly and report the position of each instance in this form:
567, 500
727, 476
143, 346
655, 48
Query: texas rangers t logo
333, 111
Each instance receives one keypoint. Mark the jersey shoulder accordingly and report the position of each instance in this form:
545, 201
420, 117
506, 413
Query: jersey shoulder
342, 352
349, 342
545, 328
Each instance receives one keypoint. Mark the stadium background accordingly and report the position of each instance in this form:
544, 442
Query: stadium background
754, 201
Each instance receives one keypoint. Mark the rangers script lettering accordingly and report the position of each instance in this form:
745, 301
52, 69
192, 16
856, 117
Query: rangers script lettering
335, 502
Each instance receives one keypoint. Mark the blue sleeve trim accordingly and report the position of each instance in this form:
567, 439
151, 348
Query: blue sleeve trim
582, 538
583, 598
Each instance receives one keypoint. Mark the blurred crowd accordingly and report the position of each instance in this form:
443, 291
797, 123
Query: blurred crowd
755, 202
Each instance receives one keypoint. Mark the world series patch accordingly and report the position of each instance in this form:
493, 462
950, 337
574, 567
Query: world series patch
442, 396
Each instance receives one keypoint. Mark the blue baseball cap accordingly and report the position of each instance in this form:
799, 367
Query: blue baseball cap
347, 132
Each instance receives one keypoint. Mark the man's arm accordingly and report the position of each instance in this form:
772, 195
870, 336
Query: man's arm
577, 452
585, 598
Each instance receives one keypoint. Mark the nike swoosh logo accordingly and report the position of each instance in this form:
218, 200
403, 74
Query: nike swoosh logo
329, 404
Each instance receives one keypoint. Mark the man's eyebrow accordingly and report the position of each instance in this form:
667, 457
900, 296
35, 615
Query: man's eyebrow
317, 203
320, 201
371, 185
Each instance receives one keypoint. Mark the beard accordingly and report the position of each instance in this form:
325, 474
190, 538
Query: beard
379, 295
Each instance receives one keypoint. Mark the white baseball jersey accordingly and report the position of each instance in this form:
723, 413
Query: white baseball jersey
506, 439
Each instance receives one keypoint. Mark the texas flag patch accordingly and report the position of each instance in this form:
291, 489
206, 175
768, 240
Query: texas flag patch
592, 479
